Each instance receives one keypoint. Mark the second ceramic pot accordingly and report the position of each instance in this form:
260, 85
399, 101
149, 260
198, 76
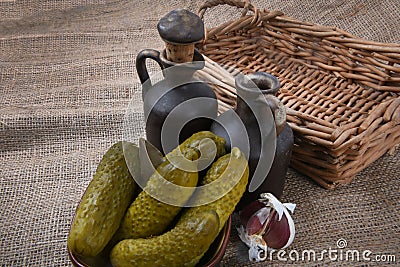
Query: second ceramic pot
256, 92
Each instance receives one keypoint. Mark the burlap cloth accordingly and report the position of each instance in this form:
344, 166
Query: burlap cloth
67, 74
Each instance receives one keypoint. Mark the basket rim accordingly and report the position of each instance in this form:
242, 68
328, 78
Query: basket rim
371, 63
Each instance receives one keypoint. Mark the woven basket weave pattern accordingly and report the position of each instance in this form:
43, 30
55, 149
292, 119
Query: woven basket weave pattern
341, 92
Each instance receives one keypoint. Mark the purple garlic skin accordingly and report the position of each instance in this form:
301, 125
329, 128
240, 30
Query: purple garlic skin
257, 221
270, 220
249, 210
277, 232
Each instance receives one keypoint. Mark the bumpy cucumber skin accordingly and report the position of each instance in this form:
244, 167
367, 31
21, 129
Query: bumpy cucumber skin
225, 205
195, 142
191, 236
183, 246
103, 204
148, 216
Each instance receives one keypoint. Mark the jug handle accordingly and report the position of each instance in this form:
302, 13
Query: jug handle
141, 63
278, 110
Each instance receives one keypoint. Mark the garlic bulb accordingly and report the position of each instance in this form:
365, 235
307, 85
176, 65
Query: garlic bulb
266, 223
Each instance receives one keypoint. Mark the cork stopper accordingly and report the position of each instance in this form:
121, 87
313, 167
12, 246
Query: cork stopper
181, 30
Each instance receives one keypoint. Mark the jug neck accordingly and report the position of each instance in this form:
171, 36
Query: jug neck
197, 62
260, 88
248, 97
267, 83
181, 72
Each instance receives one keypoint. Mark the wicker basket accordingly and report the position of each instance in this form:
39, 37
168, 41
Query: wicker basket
341, 92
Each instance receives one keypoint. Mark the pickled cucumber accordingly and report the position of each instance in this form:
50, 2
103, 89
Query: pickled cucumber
192, 236
103, 204
182, 246
196, 141
229, 176
233, 167
148, 216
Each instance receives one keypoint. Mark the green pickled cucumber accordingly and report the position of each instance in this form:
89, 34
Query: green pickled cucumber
103, 204
148, 216
196, 141
228, 176
182, 246
234, 168
191, 236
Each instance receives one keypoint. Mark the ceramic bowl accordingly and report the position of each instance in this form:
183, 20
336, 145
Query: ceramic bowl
211, 258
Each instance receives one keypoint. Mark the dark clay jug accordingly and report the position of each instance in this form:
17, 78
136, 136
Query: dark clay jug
269, 148
179, 105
